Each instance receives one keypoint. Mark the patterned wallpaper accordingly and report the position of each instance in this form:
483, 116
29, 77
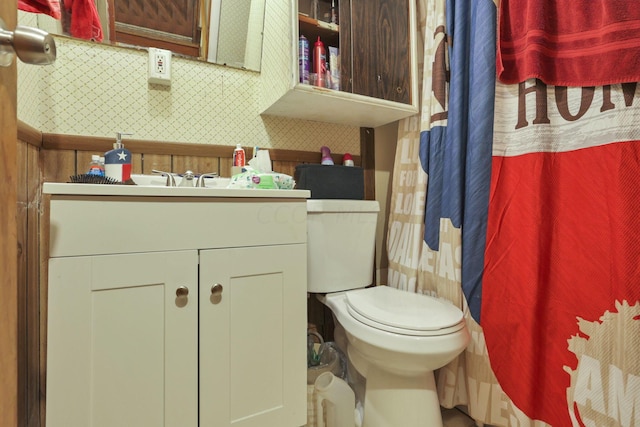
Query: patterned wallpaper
278, 47
97, 90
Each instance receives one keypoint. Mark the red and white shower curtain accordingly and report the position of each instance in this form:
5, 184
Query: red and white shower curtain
520, 204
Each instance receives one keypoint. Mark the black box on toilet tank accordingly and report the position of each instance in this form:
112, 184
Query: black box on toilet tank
330, 181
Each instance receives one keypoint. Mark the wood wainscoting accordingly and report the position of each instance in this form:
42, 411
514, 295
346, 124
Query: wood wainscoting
66, 155
44, 157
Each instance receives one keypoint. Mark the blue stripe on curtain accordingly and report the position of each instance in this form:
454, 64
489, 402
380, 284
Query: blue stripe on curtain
457, 158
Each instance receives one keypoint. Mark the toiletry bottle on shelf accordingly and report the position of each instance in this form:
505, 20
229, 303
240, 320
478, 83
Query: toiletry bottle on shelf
334, 11
347, 160
117, 162
303, 59
319, 62
95, 168
326, 156
334, 67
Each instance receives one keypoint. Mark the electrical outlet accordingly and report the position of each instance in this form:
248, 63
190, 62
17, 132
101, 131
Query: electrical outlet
159, 66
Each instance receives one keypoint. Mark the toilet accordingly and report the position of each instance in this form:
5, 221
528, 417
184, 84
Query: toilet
394, 339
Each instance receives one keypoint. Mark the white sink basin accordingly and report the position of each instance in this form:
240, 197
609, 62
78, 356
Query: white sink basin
161, 181
154, 186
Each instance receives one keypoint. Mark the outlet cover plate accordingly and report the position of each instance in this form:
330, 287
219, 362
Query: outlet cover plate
159, 66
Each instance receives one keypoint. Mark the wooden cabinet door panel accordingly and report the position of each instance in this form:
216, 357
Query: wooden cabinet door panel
380, 49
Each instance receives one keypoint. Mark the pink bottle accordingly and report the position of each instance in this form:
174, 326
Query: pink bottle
326, 156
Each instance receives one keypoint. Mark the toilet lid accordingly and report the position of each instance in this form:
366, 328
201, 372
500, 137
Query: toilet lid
403, 312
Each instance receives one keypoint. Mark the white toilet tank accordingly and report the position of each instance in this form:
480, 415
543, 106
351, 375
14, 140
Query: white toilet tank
341, 240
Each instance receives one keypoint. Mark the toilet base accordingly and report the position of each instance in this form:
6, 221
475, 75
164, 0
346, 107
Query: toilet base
394, 400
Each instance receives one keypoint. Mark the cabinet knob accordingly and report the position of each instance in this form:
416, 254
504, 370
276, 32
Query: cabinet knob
216, 290
182, 291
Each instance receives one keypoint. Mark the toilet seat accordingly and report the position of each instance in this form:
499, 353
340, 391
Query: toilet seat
404, 313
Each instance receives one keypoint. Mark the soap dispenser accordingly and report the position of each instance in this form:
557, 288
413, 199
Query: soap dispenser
117, 162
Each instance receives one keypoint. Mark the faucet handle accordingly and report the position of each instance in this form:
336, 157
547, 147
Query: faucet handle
200, 182
171, 181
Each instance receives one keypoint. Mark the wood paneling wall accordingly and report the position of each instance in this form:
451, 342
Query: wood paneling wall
66, 155
46, 157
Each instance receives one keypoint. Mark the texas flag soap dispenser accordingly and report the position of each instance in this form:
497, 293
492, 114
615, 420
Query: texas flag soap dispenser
117, 162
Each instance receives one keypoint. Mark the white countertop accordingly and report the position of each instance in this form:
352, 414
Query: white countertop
140, 190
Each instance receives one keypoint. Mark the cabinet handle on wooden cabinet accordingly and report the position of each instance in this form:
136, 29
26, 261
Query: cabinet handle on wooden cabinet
216, 290
182, 291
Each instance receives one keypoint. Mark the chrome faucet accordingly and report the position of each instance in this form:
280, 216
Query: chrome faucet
171, 181
187, 179
200, 182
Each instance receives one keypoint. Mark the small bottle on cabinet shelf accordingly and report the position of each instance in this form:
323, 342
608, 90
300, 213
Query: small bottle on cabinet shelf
303, 59
334, 12
320, 62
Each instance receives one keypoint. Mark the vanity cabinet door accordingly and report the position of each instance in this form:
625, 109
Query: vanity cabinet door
122, 346
252, 336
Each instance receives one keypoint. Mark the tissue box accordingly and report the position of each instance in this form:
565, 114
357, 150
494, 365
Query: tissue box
331, 182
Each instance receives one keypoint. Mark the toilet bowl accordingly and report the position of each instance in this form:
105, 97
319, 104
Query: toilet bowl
395, 339
398, 360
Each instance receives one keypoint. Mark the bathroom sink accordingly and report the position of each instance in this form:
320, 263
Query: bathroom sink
161, 181
155, 185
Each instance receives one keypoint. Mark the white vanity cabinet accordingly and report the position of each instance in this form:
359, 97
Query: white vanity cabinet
181, 310
377, 40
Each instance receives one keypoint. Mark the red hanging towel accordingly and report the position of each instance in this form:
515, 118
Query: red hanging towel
48, 7
85, 21
569, 42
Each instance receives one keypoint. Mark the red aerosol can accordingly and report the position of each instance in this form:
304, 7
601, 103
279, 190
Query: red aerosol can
320, 62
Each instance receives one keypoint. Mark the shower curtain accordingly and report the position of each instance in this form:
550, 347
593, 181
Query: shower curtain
520, 204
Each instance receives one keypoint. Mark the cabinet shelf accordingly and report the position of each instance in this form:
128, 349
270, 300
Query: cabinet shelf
312, 29
306, 21
316, 103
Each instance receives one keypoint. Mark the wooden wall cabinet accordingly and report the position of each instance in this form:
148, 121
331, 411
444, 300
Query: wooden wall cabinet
378, 76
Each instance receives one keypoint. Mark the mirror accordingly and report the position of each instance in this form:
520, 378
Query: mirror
226, 32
